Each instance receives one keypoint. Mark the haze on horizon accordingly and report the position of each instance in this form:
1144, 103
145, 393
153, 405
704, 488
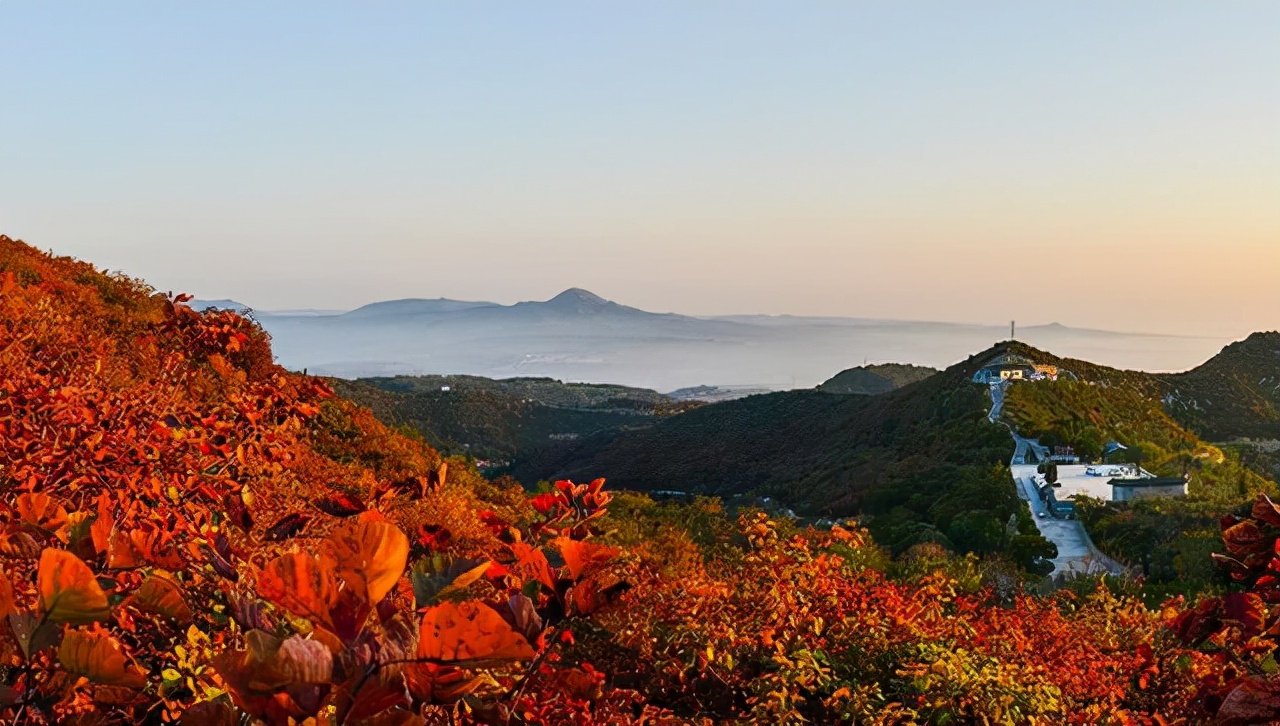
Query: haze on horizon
1101, 165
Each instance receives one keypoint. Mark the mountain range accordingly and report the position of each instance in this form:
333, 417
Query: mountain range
580, 336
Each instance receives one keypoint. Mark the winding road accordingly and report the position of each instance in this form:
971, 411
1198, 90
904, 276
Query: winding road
1076, 551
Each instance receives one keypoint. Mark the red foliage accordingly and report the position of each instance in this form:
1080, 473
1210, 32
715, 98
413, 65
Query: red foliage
190, 533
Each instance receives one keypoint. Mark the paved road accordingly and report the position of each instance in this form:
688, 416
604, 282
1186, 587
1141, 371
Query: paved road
1028, 451
997, 400
1076, 551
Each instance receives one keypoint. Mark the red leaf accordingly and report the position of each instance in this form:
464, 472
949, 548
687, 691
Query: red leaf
287, 527
340, 505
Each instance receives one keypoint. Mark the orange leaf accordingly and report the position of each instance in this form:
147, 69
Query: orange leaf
300, 584
96, 655
121, 554
589, 595
42, 512
469, 633
156, 546
6, 596
68, 591
101, 528
532, 564
161, 595
19, 544
583, 557
370, 556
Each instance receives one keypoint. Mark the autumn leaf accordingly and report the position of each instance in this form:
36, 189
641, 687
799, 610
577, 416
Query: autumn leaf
583, 558
121, 554
594, 593
1245, 608
287, 527
94, 654
102, 526
302, 660
375, 696
1266, 511
220, 565
532, 564
1243, 538
162, 595
469, 634
42, 512
370, 556
68, 591
6, 596
340, 505
142, 545
439, 577
300, 584
1255, 700
19, 544
522, 616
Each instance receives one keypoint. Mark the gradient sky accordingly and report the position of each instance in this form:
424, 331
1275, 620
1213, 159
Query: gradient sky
1101, 164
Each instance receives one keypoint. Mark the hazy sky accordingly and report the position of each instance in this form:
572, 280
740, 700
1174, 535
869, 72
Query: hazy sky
1103, 164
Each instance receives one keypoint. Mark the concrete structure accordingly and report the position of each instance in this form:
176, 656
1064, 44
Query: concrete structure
1076, 552
1056, 508
1045, 371
1007, 367
1064, 455
1126, 490
1013, 367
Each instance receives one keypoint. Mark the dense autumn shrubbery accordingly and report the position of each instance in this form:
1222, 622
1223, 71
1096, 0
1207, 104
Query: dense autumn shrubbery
189, 533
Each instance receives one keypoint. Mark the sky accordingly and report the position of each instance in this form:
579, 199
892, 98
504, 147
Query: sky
1098, 164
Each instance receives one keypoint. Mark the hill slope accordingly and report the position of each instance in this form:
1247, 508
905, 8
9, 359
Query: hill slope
876, 379
501, 420
1235, 393
922, 460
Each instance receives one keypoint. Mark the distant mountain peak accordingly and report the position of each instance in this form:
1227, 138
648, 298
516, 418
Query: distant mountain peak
578, 296
417, 306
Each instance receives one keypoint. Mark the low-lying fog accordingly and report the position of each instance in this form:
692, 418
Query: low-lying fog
577, 336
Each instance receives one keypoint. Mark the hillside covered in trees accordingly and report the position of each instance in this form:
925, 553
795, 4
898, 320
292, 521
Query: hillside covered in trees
505, 419
922, 461
1235, 394
191, 534
875, 379
1169, 541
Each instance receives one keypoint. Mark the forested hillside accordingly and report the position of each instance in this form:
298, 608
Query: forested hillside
1236, 393
922, 462
1168, 540
191, 534
875, 379
504, 419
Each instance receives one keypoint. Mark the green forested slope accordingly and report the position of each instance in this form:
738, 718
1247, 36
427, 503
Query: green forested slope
503, 419
875, 379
